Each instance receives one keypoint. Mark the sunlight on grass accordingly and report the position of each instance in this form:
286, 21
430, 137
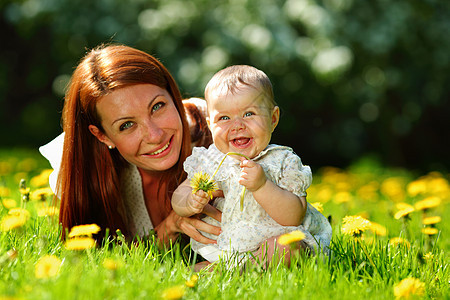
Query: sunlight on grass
389, 241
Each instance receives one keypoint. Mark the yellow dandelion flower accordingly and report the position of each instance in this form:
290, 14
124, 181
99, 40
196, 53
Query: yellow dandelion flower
24, 191
318, 206
5, 167
354, 225
342, 197
428, 256
378, 229
80, 243
48, 211
431, 220
202, 181
403, 213
4, 191
12, 222
291, 237
191, 282
47, 266
369, 191
393, 188
19, 212
9, 203
430, 231
416, 187
324, 193
41, 194
175, 292
84, 230
395, 241
427, 203
403, 205
409, 287
111, 264
41, 179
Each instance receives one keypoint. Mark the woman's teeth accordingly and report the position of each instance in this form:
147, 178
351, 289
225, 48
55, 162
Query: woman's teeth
161, 150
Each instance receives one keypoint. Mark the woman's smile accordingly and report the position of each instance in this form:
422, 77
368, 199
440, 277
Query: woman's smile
161, 150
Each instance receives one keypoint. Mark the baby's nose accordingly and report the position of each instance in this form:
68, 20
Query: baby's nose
238, 124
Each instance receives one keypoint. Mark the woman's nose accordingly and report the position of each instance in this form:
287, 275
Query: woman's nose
151, 133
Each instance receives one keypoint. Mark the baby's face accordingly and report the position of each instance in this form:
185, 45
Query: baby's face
242, 122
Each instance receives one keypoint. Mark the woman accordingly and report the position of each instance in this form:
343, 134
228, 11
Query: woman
126, 138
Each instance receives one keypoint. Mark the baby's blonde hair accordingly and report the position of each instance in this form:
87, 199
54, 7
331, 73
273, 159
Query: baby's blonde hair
228, 80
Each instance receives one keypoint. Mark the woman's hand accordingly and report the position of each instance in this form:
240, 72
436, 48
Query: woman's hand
174, 224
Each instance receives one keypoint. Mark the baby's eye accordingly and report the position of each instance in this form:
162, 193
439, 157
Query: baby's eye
157, 106
125, 125
248, 114
224, 118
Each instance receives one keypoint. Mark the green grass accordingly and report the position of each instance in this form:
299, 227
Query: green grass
358, 269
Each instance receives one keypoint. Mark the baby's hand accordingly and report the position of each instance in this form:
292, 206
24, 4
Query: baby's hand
197, 201
252, 175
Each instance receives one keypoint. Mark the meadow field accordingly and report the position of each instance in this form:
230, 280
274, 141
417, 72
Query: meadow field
390, 241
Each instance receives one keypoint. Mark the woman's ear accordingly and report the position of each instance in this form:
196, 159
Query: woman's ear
275, 117
101, 136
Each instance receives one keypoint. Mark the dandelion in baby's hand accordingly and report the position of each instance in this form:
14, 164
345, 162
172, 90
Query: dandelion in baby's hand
47, 266
354, 225
409, 287
291, 237
202, 181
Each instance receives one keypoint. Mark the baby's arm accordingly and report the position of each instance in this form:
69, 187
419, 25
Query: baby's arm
283, 206
186, 204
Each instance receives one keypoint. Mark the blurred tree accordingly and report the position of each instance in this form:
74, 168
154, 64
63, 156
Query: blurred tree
351, 77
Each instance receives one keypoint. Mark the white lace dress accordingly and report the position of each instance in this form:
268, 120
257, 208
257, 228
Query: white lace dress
246, 230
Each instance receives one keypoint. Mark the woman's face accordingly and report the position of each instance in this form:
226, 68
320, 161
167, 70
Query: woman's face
142, 122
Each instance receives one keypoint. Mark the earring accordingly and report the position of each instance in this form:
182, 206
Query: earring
110, 147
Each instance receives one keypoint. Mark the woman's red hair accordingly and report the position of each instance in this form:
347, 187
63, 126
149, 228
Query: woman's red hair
89, 178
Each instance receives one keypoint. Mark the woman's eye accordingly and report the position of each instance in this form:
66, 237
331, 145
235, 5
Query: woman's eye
224, 118
125, 125
157, 106
248, 114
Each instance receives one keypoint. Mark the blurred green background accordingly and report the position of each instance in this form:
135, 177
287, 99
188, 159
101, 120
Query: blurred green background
354, 79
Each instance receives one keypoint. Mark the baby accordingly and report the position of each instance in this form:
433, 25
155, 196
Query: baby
242, 115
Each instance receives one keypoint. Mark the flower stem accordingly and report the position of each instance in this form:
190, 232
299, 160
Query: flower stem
218, 167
